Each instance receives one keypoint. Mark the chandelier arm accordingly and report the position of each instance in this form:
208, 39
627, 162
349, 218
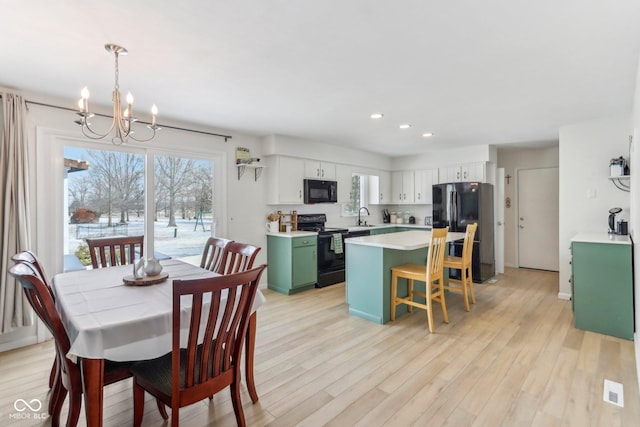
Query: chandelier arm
153, 134
97, 135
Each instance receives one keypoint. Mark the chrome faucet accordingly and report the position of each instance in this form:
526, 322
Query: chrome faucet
360, 210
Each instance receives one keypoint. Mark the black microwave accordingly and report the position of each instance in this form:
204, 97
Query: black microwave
317, 191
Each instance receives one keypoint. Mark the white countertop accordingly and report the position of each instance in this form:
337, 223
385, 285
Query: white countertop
404, 240
292, 234
388, 225
594, 237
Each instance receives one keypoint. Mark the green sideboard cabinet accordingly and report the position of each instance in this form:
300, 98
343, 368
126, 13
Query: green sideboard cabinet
292, 263
602, 284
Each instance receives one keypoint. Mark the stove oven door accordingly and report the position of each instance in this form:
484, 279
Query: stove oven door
331, 259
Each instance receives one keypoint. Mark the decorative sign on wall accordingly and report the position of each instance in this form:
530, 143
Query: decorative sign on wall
243, 155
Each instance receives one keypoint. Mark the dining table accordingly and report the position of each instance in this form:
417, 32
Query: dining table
107, 318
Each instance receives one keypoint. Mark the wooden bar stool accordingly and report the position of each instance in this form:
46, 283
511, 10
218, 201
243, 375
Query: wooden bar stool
463, 286
432, 275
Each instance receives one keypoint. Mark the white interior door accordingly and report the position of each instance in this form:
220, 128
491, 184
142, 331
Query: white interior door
499, 228
538, 220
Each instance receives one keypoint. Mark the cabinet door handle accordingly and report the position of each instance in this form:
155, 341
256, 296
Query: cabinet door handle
464, 174
380, 196
418, 196
318, 172
299, 194
322, 173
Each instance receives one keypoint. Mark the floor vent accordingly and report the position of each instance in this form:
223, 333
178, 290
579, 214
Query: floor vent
613, 393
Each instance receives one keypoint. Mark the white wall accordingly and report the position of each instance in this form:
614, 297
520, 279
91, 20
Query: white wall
586, 195
513, 159
442, 158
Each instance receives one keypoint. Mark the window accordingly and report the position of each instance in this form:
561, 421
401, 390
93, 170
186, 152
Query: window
105, 195
357, 195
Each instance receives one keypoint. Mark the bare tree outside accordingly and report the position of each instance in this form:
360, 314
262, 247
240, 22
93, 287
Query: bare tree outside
173, 175
120, 175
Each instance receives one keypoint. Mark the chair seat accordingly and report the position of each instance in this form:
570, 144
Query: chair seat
452, 261
416, 271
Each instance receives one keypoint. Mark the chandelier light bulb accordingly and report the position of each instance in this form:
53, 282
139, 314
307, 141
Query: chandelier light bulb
129, 98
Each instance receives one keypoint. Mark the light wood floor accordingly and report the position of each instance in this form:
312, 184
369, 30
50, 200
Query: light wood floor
514, 360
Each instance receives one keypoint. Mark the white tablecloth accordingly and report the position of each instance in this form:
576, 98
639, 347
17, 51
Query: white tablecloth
106, 319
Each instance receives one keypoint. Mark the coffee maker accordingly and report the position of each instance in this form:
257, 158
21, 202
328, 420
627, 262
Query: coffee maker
612, 220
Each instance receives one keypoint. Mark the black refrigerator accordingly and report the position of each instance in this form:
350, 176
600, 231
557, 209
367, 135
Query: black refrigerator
460, 203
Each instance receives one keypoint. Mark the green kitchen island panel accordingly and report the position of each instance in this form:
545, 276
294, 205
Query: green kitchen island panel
602, 284
292, 261
368, 270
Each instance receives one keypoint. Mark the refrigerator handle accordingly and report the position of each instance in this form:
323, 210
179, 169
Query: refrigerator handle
455, 209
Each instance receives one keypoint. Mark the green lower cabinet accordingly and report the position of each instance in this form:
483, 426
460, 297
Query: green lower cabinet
293, 263
602, 287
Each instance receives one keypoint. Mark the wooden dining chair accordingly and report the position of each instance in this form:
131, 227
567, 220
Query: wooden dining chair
463, 263
213, 253
237, 257
206, 365
431, 274
31, 258
112, 251
41, 300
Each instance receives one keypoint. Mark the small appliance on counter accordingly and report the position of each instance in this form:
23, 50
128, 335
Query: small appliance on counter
386, 216
612, 220
623, 228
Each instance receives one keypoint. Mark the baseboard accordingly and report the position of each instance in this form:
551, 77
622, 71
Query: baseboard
564, 296
23, 342
636, 344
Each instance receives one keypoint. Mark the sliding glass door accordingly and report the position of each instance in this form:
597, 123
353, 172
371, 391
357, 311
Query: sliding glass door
106, 193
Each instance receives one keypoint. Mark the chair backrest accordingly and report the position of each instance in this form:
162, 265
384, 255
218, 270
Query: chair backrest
214, 333
435, 257
467, 248
31, 258
41, 300
237, 257
112, 251
213, 253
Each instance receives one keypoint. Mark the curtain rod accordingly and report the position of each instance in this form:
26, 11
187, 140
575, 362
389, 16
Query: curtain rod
226, 137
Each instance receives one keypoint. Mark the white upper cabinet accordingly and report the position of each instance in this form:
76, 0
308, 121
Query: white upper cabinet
463, 173
319, 170
402, 187
286, 180
380, 188
424, 180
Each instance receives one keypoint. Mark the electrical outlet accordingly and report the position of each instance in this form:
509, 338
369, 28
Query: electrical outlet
613, 393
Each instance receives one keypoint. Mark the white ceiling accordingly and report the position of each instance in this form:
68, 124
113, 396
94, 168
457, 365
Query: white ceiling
471, 72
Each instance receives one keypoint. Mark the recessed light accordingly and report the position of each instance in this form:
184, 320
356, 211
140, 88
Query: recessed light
376, 115
427, 134
405, 126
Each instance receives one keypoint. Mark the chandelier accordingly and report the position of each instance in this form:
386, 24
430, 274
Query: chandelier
122, 120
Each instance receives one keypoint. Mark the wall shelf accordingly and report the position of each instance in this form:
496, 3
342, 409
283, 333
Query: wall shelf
257, 169
621, 182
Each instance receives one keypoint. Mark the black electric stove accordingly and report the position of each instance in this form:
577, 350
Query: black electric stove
331, 259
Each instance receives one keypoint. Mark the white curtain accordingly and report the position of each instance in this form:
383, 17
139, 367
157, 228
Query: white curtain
14, 213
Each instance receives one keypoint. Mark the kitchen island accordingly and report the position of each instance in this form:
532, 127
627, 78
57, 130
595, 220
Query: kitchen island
368, 272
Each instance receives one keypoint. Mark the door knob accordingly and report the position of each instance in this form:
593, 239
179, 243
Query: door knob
499, 222
521, 219
522, 226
